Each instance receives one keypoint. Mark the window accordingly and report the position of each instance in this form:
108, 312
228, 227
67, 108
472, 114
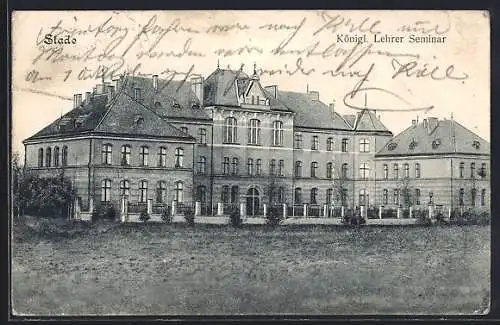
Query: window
483, 197
56, 156
417, 170
250, 166
329, 196
235, 194
124, 188
281, 194
396, 196
483, 170
364, 145
253, 99
461, 168
48, 157
179, 158
225, 194
179, 191
144, 153
407, 170
254, 132
314, 169
125, 160
298, 141
184, 129
315, 143
106, 190
277, 133
344, 197
258, 100
396, 171
344, 144
161, 191
258, 167
472, 170
162, 157
364, 170
230, 130
202, 165
344, 170
106, 153
298, 195
298, 168
329, 170
385, 196
202, 136
329, 144
64, 158
201, 194
362, 197
473, 194
314, 196
40, 157
417, 196
225, 166
143, 191
386, 171
235, 166
272, 167
281, 168
461, 197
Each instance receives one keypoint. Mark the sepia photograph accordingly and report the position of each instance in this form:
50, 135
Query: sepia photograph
246, 162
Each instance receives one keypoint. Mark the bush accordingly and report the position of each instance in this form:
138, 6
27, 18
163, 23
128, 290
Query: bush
272, 218
189, 217
235, 218
104, 211
144, 216
166, 217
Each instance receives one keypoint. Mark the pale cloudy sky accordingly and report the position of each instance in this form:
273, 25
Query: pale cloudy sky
44, 75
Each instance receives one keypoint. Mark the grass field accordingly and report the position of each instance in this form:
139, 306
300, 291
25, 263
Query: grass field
167, 269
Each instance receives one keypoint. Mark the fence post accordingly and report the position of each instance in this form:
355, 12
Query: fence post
284, 211
243, 213
76, 210
398, 215
411, 212
380, 212
220, 209
449, 213
430, 211
342, 212
325, 211
197, 208
150, 206
265, 209
122, 209
361, 210
174, 208
91, 205
305, 210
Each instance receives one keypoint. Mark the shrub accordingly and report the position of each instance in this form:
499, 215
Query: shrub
235, 218
189, 217
144, 216
104, 211
166, 217
272, 218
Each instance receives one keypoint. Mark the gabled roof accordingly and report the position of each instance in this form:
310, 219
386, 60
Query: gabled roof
311, 113
447, 137
220, 87
367, 120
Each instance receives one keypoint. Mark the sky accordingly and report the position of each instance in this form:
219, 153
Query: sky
352, 58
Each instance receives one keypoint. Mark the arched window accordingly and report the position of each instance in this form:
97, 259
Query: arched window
407, 170
483, 197
461, 194
461, 169
314, 169
225, 166
250, 166
56, 156
235, 194
385, 196
143, 191
277, 133
281, 194
417, 170
235, 166
202, 165
161, 192
473, 194
329, 170
417, 196
315, 143
344, 144
124, 188
472, 170
258, 167
344, 196
314, 196
125, 152
179, 191
298, 195
364, 145
64, 158
396, 196
162, 157
344, 170
105, 190
386, 171
230, 130
329, 144
201, 194
106, 153
364, 170
329, 196
144, 154
483, 170
202, 136
298, 141
396, 171
298, 168
225, 194
362, 197
272, 167
48, 157
40, 157
254, 131
179, 158
281, 168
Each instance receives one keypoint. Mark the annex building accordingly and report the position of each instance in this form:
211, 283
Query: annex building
229, 139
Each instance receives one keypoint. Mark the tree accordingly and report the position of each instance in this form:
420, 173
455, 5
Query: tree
17, 175
406, 192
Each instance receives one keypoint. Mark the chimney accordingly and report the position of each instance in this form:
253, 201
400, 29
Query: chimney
424, 123
77, 100
110, 91
413, 123
313, 95
137, 94
100, 89
273, 90
155, 82
88, 96
197, 87
432, 124
332, 108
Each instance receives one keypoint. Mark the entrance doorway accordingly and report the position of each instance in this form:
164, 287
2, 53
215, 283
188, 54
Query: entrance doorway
253, 201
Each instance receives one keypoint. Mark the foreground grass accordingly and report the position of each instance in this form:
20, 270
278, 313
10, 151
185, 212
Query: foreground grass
166, 269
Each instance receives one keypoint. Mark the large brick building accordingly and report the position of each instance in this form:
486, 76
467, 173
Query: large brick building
229, 139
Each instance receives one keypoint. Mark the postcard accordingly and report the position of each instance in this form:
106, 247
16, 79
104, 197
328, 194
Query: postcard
312, 162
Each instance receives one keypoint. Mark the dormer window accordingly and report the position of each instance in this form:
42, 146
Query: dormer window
157, 104
436, 143
413, 144
176, 104
138, 120
476, 144
78, 123
392, 146
195, 106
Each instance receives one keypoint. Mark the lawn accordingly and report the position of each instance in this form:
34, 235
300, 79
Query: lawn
173, 269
